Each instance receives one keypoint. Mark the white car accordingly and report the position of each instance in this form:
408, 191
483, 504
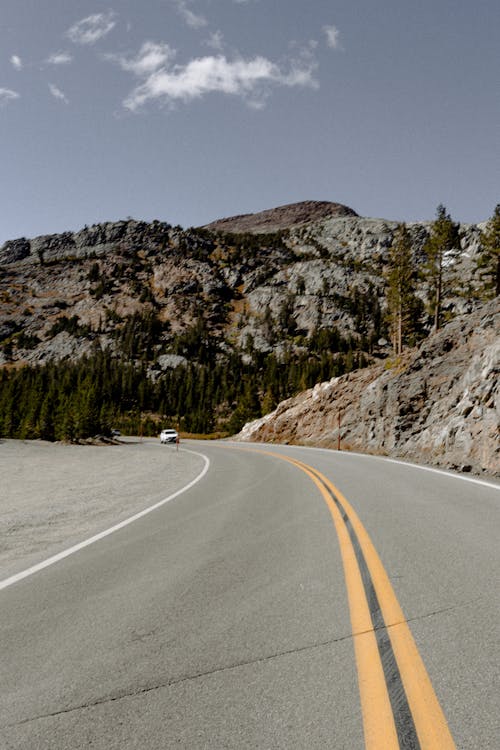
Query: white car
169, 436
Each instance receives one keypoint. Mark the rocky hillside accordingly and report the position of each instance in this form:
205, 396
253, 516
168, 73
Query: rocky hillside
63, 295
439, 403
132, 324
283, 217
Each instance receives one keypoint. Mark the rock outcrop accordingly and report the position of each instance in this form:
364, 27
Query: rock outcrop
437, 404
283, 217
94, 241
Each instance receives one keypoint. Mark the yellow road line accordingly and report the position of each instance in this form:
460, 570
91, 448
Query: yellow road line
378, 720
432, 729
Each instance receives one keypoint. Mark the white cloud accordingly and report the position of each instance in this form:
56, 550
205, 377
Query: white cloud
215, 41
303, 65
57, 93
7, 95
194, 20
332, 36
16, 62
92, 28
151, 56
249, 79
60, 58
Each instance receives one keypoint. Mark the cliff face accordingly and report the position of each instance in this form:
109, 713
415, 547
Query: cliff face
439, 404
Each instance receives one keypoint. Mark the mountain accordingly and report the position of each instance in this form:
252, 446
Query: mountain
232, 322
283, 217
439, 403
60, 294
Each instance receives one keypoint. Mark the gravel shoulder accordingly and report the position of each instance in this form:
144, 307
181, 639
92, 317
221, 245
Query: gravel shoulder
55, 495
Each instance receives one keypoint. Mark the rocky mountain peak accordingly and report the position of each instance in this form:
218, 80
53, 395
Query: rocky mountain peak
282, 217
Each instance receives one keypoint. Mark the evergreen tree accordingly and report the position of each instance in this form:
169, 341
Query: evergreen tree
46, 424
401, 287
441, 249
87, 418
67, 428
286, 317
489, 258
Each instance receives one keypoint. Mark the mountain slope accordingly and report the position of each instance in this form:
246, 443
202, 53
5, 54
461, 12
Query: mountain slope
282, 217
439, 404
203, 328
262, 291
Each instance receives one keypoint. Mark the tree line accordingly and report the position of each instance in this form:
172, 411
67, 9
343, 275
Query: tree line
77, 400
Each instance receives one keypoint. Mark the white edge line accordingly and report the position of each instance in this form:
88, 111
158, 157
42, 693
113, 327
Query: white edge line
445, 473
330, 451
485, 483
86, 542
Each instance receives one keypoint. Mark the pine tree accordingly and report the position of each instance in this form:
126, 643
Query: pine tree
46, 423
67, 428
401, 287
441, 249
489, 257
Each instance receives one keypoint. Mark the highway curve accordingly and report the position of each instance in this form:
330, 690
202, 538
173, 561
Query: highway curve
291, 598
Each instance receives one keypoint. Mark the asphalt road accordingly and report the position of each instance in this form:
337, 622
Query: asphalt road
222, 619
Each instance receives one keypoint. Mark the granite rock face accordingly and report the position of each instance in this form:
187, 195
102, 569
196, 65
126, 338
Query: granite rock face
93, 241
438, 404
321, 260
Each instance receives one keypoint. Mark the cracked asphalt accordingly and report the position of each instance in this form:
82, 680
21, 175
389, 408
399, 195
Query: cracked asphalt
221, 619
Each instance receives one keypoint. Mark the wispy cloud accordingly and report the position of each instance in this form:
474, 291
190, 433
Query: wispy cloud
215, 41
92, 28
60, 58
194, 20
250, 79
150, 57
7, 95
16, 62
332, 36
57, 93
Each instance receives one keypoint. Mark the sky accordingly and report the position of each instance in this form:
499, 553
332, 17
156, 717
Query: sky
191, 110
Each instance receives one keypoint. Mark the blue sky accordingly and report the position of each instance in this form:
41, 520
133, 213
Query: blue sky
191, 110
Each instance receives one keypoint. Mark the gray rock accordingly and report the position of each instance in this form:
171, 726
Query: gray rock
62, 346
171, 361
14, 250
446, 413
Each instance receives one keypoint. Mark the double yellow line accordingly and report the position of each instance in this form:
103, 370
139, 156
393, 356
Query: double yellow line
399, 706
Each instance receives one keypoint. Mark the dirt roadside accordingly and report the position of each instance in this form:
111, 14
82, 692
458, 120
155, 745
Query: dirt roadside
53, 495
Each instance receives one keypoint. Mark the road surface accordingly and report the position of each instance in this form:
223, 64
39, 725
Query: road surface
224, 618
